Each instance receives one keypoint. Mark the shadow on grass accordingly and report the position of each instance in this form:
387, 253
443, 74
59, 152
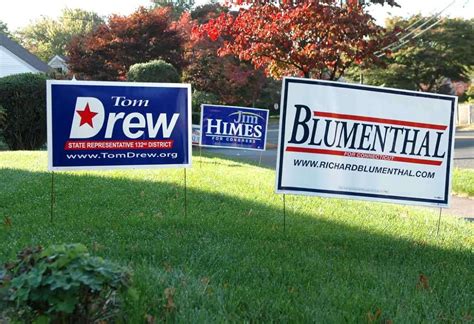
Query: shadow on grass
229, 260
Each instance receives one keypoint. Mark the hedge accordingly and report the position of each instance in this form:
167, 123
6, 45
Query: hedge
153, 71
23, 98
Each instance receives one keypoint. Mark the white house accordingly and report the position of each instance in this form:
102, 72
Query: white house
15, 59
59, 63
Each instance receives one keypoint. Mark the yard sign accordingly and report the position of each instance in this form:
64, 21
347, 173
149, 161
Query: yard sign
234, 127
105, 125
362, 142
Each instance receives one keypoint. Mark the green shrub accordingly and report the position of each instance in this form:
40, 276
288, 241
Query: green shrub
153, 71
3, 117
470, 94
23, 98
199, 98
61, 284
3, 120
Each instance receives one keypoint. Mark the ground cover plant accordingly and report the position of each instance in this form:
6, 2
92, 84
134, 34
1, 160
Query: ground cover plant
230, 259
61, 284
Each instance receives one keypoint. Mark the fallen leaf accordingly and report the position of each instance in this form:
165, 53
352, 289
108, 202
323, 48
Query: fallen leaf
7, 221
205, 282
149, 319
167, 267
96, 246
169, 295
371, 317
467, 317
423, 282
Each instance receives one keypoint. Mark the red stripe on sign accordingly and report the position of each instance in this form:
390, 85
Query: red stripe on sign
359, 155
379, 120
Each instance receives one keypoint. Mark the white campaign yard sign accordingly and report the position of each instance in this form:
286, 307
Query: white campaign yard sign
362, 142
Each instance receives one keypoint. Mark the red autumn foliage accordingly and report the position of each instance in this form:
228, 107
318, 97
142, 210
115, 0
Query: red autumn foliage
233, 81
298, 2
311, 39
108, 52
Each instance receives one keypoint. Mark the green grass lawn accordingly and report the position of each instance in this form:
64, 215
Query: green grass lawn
229, 259
463, 182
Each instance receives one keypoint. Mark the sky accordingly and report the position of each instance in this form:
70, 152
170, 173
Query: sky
17, 14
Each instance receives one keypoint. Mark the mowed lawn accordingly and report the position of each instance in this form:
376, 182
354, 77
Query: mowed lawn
229, 259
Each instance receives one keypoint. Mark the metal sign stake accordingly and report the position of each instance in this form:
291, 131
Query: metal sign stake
284, 214
200, 156
439, 221
52, 197
185, 195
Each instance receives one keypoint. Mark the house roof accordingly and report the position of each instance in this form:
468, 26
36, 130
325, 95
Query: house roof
59, 57
64, 58
23, 53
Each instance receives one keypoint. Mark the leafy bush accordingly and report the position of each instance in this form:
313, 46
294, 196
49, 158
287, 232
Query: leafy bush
270, 96
470, 94
23, 97
199, 98
3, 117
63, 284
153, 71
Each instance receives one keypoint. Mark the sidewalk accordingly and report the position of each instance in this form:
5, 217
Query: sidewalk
461, 207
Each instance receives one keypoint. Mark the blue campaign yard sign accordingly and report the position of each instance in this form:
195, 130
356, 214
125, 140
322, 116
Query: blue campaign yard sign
108, 125
234, 127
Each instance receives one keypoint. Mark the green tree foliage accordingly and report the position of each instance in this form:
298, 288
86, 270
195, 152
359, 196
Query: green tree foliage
469, 95
3, 118
202, 97
428, 61
4, 29
48, 37
178, 7
207, 11
153, 71
199, 98
23, 98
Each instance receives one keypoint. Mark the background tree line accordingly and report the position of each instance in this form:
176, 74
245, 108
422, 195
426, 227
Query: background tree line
238, 57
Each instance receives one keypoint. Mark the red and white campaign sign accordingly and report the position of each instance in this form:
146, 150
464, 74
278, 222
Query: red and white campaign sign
363, 142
